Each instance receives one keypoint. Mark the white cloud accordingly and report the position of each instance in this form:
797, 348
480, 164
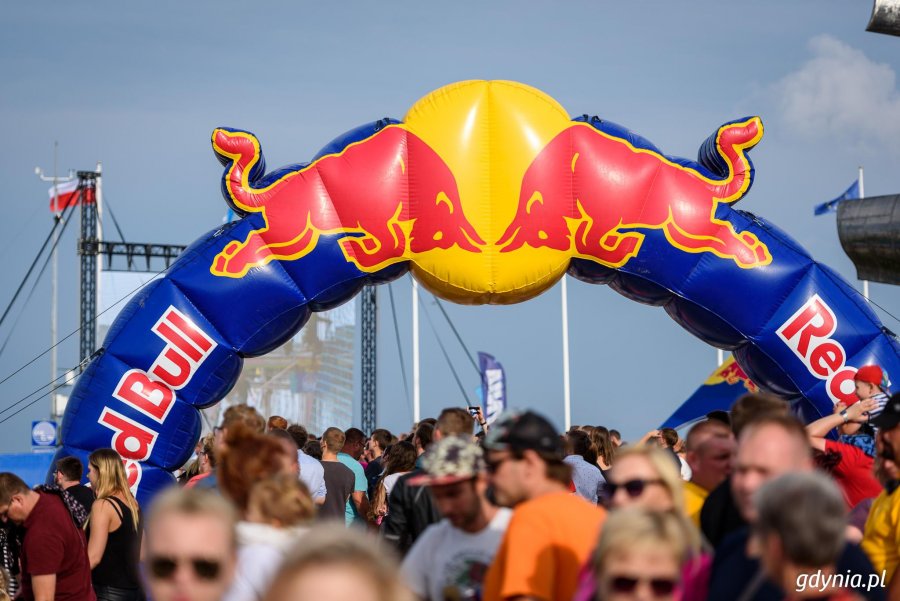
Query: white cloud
842, 93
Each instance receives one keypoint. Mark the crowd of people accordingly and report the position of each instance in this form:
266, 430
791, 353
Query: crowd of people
751, 504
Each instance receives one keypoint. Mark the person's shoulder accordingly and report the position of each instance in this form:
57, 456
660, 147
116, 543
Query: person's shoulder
562, 504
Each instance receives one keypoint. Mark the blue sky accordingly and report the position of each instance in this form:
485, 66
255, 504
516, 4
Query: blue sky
141, 88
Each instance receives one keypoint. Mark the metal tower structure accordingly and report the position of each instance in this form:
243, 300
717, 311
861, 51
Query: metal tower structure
368, 356
88, 245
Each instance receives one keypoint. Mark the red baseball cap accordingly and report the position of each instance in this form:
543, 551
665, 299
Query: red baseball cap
871, 374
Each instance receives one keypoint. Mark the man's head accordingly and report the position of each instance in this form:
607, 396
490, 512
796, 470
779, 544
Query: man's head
754, 406
276, 422
333, 440
190, 546
668, 438
16, 499
299, 434
454, 421
579, 443
423, 437
615, 437
454, 469
769, 447
69, 471
710, 446
869, 381
524, 458
354, 442
378, 442
800, 527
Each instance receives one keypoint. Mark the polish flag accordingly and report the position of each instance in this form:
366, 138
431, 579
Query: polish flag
68, 195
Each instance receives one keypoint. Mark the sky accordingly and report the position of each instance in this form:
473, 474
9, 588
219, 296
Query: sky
140, 88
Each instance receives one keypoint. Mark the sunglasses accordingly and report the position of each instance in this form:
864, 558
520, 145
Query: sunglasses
633, 488
661, 587
164, 567
493, 466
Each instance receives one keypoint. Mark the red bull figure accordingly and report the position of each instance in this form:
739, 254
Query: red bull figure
593, 192
390, 193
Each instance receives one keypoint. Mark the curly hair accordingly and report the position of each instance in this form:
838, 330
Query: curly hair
247, 458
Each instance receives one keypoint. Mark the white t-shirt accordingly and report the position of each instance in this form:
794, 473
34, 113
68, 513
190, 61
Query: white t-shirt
390, 481
445, 558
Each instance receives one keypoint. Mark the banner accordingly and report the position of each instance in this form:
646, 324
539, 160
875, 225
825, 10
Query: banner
720, 390
493, 383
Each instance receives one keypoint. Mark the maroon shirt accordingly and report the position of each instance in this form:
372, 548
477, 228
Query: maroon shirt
53, 544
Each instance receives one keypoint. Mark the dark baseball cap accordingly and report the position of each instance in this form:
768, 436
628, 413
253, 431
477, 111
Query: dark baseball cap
890, 415
515, 431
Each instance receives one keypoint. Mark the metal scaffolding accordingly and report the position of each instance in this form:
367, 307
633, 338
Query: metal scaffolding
368, 363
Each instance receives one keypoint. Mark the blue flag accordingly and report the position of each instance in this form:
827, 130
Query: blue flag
493, 383
852, 193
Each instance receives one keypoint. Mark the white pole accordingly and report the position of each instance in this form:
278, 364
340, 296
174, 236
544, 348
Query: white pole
54, 295
54, 286
415, 316
567, 396
720, 356
862, 194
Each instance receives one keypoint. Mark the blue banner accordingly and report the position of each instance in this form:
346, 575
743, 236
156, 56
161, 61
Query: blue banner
720, 390
851, 193
493, 383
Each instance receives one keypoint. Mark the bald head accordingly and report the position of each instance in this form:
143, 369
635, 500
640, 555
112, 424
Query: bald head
767, 448
710, 446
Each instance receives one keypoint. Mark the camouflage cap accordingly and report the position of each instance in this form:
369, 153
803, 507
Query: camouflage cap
449, 460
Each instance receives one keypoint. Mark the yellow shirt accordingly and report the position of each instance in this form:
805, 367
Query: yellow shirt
881, 539
694, 497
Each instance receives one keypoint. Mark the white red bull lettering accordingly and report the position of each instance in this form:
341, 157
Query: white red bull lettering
152, 392
808, 333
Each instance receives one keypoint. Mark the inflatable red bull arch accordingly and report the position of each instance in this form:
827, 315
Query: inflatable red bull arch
488, 192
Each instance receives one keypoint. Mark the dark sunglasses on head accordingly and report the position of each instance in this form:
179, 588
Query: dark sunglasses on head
164, 567
633, 488
660, 586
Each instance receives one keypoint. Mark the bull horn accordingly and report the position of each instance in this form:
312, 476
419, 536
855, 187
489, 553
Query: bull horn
725, 154
241, 154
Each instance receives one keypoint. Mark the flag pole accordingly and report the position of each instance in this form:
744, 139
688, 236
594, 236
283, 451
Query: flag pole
54, 293
862, 194
567, 398
415, 316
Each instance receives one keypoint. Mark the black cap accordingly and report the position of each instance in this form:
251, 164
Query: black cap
515, 431
890, 415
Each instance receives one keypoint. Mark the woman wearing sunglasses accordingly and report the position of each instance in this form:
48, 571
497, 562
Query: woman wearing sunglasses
645, 477
114, 530
641, 555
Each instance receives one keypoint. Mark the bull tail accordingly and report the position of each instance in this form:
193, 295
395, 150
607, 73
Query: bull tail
241, 154
725, 153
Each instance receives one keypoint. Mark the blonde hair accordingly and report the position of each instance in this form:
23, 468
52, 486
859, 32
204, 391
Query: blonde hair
282, 500
111, 481
662, 464
336, 545
636, 527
